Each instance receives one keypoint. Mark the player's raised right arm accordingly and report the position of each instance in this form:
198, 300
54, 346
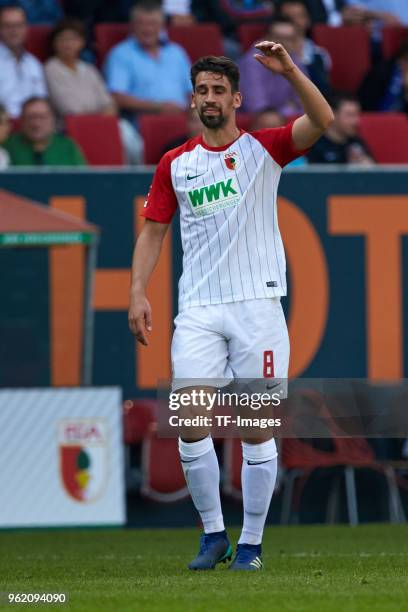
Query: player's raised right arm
145, 258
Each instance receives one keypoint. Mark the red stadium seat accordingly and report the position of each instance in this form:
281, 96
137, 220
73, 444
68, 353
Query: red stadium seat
159, 130
138, 416
392, 37
107, 35
38, 41
386, 135
244, 121
198, 40
162, 475
99, 138
15, 123
249, 33
349, 48
300, 458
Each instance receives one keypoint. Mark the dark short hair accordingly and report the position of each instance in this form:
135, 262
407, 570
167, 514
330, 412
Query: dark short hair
339, 98
3, 110
219, 65
293, 2
35, 99
149, 6
12, 6
68, 24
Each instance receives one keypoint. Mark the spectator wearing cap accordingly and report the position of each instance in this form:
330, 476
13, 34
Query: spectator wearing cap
37, 143
21, 74
145, 73
261, 90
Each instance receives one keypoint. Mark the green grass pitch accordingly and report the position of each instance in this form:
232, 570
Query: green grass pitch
307, 569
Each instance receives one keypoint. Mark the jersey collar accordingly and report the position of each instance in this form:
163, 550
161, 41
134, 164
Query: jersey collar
223, 148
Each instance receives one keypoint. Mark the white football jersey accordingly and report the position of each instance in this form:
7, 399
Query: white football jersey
232, 247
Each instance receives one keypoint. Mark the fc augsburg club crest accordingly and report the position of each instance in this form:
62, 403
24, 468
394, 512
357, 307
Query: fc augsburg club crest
231, 160
83, 462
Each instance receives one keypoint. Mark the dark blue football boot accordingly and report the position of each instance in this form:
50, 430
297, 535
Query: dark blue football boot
214, 548
247, 557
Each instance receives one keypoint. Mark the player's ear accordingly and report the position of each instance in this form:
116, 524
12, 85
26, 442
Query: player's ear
192, 105
237, 99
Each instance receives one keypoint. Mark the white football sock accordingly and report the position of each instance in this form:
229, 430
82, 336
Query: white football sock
202, 473
258, 479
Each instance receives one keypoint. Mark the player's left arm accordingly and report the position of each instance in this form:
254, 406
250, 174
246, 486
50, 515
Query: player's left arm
308, 128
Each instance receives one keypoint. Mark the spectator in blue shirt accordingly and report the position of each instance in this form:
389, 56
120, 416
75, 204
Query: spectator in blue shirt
38, 11
145, 73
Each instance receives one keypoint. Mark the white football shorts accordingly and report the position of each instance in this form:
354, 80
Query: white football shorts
215, 344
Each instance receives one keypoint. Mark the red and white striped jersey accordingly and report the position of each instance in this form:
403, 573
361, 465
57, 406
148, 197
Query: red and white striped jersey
232, 247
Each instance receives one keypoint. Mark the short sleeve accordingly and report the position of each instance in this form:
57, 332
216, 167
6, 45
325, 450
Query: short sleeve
279, 144
161, 202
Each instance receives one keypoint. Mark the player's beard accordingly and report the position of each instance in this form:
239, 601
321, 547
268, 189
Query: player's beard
213, 122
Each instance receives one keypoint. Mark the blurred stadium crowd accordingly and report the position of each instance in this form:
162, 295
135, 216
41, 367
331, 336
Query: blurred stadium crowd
106, 82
